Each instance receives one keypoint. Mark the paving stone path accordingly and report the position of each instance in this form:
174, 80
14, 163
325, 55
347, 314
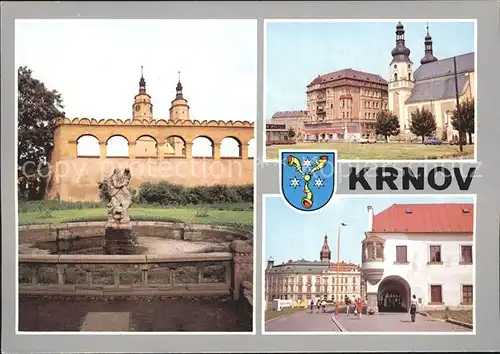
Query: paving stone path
303, 321
165, 315
395, 322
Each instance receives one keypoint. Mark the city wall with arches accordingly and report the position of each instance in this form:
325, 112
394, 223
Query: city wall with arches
186, 152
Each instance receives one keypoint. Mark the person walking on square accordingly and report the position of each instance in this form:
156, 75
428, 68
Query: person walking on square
413, 307
318, 304
312, 305
323, 305
359, 307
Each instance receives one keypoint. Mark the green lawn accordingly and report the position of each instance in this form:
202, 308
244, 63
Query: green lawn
378, 151
462, 316
270, 314
190, 215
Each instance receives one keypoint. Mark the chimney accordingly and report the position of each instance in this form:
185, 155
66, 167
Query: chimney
370, 218
270, 263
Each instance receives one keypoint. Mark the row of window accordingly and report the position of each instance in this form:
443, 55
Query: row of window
334, 288
437, 294
435, 255
330, 93
310, 296
342, 280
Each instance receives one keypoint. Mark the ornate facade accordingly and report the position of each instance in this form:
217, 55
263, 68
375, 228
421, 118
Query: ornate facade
154, 149
301, 279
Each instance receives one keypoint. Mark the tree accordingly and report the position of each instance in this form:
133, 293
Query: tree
38, 111
444, 135
422, 123
291, 133
387, 124
463, 119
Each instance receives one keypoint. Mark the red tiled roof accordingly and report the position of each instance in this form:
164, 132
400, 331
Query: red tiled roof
348, 74
289, 114
426, 218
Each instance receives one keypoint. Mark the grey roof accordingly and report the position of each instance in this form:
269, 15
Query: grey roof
438, 89
444, 67
436, 81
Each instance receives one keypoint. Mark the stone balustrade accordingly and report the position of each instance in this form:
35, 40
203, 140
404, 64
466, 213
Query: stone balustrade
195, 274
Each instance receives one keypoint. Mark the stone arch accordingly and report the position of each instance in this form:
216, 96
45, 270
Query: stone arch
174, 145
203, 146
87, 145
230, 146
394, 294
252, 148
146, 146
117, 146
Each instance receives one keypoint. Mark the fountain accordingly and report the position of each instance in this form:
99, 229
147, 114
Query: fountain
118, 237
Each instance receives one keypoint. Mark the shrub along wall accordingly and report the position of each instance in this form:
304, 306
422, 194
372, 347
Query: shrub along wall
165, 193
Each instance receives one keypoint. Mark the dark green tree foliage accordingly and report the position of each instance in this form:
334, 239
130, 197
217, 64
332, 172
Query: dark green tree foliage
387, 124
291, 133
38, 111
423, 123
464, 122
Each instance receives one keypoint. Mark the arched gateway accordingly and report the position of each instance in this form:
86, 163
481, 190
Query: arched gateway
394, 294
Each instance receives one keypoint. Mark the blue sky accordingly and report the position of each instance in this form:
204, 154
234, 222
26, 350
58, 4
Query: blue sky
292, 235
296, 52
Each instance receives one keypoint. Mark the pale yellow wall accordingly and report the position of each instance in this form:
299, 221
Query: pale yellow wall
179, 110
142, 107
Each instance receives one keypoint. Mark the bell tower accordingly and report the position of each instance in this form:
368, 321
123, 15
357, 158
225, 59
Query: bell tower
142, 107
179, 108
429, 55
325, 253
401, 81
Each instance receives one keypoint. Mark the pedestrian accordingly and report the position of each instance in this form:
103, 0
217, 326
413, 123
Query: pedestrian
359, 307
312, 305
413, 307
318, 304
323, 305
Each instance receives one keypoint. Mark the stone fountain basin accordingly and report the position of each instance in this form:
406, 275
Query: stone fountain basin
152, 238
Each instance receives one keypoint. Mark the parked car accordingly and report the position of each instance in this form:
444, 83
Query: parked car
433, 142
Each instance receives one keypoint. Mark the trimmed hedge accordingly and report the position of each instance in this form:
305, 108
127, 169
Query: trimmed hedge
165, 193
281, 142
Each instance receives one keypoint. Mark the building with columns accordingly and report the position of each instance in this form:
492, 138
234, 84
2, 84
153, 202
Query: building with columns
302, 279
419, 249
343, 105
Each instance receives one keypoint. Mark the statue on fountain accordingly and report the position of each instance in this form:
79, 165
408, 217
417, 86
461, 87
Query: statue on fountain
117, 191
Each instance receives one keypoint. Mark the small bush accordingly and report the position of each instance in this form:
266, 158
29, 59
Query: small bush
43, 205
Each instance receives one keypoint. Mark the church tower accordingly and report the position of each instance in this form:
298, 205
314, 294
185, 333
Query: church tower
401, 80
179, 108
429, 55
325, 254
142, 107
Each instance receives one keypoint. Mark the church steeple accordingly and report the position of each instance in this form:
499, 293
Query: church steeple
400, 53
325, 253
179, 109
179, 96
142, 82
429, 55
142, 109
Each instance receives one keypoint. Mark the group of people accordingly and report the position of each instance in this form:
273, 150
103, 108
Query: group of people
319, 304
354, 306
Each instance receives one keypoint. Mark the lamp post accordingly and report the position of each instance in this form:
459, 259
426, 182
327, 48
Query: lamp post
338, 267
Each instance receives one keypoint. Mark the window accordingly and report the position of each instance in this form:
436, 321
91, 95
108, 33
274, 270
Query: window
401, 254
436, 294
466, 254
467, 296
435, 254
395, 76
